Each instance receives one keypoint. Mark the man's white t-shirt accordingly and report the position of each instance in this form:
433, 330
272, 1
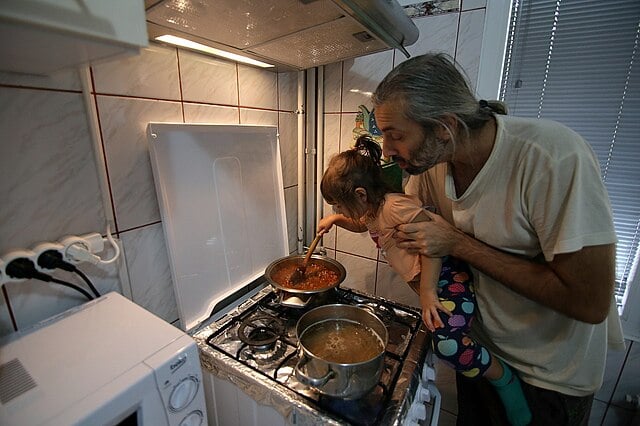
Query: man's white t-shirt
539, 194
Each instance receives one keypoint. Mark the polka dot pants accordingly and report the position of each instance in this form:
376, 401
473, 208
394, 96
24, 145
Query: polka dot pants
452, 343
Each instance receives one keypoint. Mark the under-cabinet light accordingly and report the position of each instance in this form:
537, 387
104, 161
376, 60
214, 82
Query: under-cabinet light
178, 41
361, 91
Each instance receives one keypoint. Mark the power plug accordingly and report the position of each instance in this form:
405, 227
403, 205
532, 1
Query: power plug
19, 265
94, 241
49, 256
10, 257
80, 249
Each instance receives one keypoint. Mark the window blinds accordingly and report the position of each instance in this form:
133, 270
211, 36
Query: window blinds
578, 62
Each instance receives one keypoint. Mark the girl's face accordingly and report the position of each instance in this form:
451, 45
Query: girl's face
357, 210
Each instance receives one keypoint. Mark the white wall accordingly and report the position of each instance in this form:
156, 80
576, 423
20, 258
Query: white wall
49, 176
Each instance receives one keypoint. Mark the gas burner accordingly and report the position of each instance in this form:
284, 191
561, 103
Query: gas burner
263, 357
384, 312
260, 332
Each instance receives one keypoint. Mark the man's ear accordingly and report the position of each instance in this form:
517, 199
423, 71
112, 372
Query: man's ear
448, 127
361, 194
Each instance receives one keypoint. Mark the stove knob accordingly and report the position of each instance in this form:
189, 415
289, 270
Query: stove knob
428, 374
183, 393
423, 394
193, 419
417, 412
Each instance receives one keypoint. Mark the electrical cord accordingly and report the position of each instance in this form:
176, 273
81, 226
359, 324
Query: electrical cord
52, 259
25, 269
73, 286
88, 281
115, 246
9, 308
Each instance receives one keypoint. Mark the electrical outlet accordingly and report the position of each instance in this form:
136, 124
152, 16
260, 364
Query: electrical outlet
45, 247
11, 256
71, 248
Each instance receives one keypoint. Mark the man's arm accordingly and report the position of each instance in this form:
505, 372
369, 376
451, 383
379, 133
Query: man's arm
579, 284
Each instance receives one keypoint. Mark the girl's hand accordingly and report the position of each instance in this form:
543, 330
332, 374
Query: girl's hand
430, 307
326, 223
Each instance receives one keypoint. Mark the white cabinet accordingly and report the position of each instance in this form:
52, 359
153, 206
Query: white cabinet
44, 36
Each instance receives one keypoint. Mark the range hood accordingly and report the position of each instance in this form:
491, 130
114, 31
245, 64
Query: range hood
290, 34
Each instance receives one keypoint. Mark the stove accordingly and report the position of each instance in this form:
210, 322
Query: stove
255, 347
221, 199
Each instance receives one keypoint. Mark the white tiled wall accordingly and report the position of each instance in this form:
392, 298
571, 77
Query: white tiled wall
49, 180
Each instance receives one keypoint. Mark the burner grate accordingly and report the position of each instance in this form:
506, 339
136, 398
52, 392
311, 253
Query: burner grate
260, 332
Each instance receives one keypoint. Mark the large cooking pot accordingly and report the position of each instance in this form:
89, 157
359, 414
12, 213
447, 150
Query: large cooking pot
341, 350
298, 297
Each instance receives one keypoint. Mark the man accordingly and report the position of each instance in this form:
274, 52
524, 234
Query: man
522, 202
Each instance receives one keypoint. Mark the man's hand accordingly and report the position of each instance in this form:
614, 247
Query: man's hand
432, 237
578, 284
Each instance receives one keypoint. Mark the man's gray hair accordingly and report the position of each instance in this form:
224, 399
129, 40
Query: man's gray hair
430, 87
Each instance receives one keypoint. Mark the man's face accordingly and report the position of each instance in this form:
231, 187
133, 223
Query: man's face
405, 142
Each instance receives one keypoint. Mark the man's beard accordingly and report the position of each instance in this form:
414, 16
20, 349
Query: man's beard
424, 157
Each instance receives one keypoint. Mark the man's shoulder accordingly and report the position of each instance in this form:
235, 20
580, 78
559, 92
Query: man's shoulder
543, 135
537, 127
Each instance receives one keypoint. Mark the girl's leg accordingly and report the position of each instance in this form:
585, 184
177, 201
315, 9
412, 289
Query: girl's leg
509, 389
454, 345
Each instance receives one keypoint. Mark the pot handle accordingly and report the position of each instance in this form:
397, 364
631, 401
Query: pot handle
312, 381
292, 300
368, 309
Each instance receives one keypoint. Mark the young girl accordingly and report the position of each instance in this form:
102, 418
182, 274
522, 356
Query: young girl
353, 184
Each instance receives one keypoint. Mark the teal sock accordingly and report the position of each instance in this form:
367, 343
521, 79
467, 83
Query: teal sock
510, 392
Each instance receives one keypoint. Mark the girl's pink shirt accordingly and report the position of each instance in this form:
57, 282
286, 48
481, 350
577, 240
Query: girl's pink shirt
396, 209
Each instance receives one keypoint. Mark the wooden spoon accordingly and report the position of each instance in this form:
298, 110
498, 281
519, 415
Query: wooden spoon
298, 275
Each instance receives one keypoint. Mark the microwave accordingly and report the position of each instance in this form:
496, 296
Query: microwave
106, 362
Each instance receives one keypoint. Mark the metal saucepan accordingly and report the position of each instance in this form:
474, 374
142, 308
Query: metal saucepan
299, 297
341, 349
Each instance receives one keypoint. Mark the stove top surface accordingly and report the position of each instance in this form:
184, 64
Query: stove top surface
257, 343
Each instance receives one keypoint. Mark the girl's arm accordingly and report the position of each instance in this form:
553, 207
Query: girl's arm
325, 224
429, 276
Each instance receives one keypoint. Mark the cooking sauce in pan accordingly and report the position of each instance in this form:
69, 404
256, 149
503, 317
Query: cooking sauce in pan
316, 277
341, 341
